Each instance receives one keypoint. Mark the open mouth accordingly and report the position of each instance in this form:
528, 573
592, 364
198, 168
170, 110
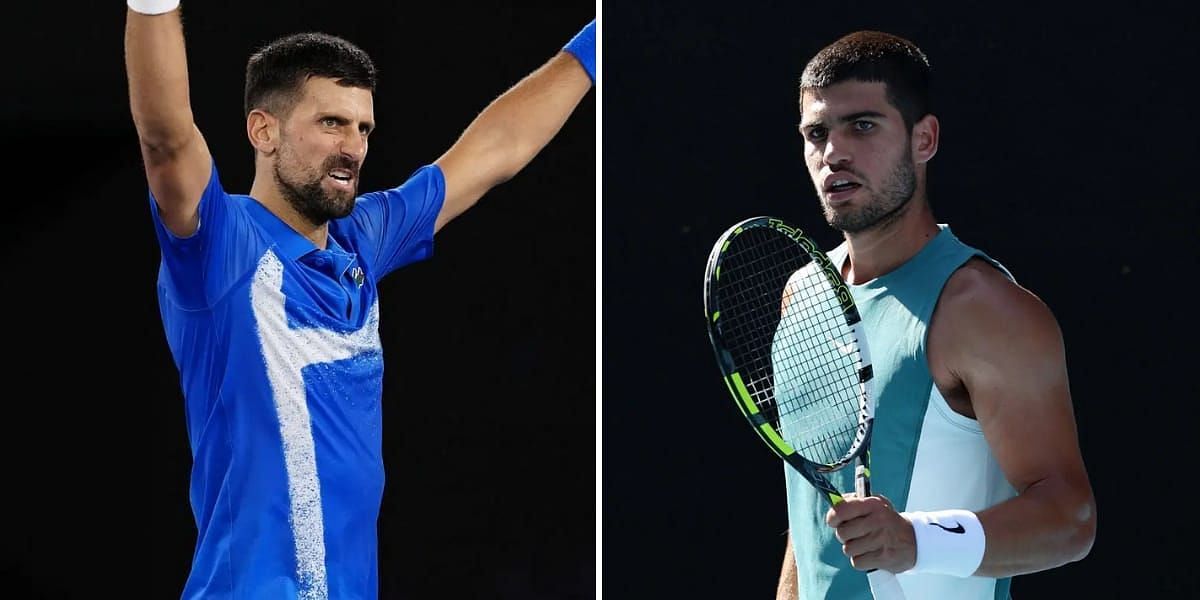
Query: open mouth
341, 177
841, 189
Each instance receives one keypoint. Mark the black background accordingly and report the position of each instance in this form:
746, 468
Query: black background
1068, 152
490, 403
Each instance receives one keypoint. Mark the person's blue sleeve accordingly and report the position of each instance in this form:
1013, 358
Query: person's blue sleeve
396, 225
197, 270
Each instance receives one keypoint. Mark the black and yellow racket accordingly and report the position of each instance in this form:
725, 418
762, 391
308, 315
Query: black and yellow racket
790, 344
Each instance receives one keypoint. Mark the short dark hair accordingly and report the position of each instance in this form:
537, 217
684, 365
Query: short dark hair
276, 72
875, 56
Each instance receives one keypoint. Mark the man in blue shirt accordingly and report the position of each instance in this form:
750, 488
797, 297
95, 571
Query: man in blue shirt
269, 299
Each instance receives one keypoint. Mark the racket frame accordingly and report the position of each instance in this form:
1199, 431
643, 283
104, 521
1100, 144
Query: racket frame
814, 472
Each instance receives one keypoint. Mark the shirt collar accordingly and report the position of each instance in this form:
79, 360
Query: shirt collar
291, 244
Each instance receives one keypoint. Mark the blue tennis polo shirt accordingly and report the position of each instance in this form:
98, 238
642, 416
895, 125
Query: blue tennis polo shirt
277, 346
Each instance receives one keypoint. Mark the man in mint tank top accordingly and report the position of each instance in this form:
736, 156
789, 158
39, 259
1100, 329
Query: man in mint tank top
976, 465
269, 299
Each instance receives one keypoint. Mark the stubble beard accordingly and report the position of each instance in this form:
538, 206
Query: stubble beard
307, 196
880, 208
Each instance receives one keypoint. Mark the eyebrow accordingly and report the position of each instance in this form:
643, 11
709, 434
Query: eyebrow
344, 121
850, 118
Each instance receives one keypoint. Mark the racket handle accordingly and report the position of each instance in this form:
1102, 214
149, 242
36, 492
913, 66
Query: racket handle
862, 485
884, 585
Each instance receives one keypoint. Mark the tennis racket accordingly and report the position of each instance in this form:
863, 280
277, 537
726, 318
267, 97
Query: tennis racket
790, 344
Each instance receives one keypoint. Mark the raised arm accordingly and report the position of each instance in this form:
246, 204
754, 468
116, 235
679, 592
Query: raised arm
516, 126
176, 157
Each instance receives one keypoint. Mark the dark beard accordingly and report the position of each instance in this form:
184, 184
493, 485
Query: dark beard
311, 201
884, 207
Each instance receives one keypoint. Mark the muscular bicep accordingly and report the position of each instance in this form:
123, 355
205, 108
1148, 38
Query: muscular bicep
1023, 403
1001, 346
177, 177
1008, 353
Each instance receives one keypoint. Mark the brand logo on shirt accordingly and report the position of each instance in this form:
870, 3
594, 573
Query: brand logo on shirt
358, 275
846, 349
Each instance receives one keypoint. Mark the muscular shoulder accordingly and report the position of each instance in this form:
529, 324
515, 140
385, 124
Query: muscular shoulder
984, 320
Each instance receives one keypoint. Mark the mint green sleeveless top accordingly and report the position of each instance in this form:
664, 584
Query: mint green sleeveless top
896, 310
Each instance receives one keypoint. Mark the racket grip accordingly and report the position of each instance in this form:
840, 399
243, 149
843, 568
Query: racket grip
862, 485
884, 585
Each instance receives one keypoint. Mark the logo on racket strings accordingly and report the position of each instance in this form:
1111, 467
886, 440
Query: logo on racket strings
831, 273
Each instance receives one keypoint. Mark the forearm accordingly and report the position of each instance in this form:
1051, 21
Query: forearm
1049, 524
519, 123
156, 66
788, 589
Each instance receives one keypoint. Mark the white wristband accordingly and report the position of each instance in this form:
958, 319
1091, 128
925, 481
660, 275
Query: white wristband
152, 7
949, 542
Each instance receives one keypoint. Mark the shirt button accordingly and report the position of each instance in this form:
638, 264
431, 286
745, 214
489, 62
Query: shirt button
319, 261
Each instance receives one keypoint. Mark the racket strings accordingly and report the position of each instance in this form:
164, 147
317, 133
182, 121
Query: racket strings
816, 378
800, 364
753, 273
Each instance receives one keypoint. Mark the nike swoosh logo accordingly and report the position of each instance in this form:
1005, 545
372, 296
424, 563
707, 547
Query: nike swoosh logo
846, 349
958, 528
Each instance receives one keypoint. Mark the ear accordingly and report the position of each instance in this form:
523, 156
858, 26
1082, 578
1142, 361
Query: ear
925, 139
263, 130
